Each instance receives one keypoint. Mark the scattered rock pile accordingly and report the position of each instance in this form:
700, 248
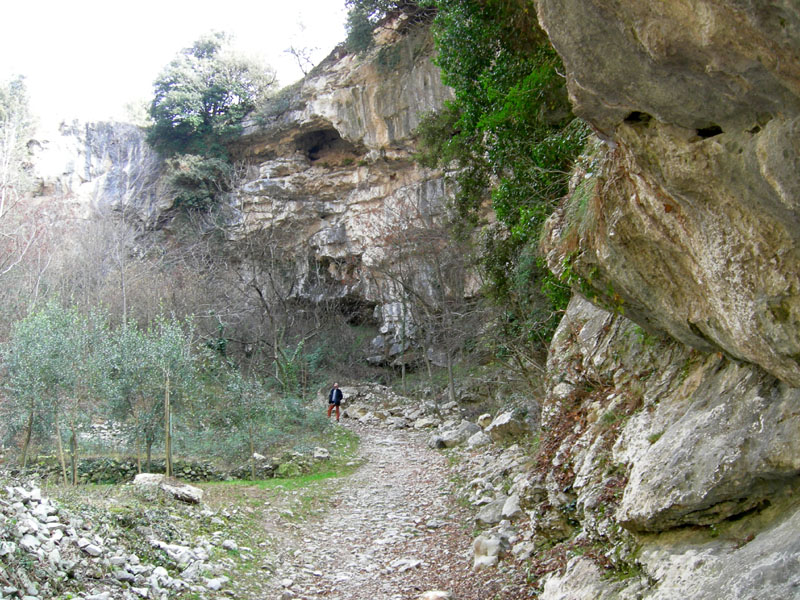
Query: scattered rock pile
496, 467
393, 532
47, 551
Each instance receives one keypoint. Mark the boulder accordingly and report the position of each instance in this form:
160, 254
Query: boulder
425, 422
182, 491
147, 479
397, 422
436, 442
511, 508
321, 453
487, 549
459, 435
478, 439
492, 513
436, 595
355, 411
507, 426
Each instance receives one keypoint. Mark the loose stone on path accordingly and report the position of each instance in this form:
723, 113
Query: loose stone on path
392, 532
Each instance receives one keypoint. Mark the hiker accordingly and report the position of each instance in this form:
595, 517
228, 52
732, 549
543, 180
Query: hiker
334, 399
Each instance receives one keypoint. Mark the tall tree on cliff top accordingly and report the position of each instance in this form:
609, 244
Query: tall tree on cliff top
364, 16
199, 102
202, 95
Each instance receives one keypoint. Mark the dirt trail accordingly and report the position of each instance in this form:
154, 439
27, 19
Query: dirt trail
393, 532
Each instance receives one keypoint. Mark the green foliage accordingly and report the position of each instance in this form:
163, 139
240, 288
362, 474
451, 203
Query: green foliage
359, 30
364, 16
202, 96
512, 135
62, 367
145, 365
55, 364
195, 181
200, 100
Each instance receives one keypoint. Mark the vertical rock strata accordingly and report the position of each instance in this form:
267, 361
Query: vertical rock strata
684, 218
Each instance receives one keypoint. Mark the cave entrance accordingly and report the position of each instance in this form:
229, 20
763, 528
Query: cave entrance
324, 143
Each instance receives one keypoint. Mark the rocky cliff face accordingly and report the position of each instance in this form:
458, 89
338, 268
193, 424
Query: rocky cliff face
670, 437
331, 161
692, 215
99, 167
683, 220
326, 168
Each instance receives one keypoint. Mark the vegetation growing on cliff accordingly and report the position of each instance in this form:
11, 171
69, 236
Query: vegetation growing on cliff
199, 102
510, 133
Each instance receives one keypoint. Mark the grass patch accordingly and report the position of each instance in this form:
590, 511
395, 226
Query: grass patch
654, 437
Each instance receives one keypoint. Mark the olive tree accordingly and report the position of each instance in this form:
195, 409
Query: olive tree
56, 366
247, 410
151, 369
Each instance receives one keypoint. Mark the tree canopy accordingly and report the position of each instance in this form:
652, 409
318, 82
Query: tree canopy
202, 95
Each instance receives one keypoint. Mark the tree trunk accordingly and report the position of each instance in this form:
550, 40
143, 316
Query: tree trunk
277, 361
26, 444
61, 451
167, 432
73, 443
149, 449
252, 456
138, 447
427, 364
403, 348
451, 384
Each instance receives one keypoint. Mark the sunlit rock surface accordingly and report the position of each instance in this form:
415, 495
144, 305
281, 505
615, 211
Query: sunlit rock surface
682, 223
689, 216
331, 159
682, 464
100, 167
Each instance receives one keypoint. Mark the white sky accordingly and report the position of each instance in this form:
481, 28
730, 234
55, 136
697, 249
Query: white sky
87, 59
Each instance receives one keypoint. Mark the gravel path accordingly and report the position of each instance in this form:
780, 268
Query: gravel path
393, 532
